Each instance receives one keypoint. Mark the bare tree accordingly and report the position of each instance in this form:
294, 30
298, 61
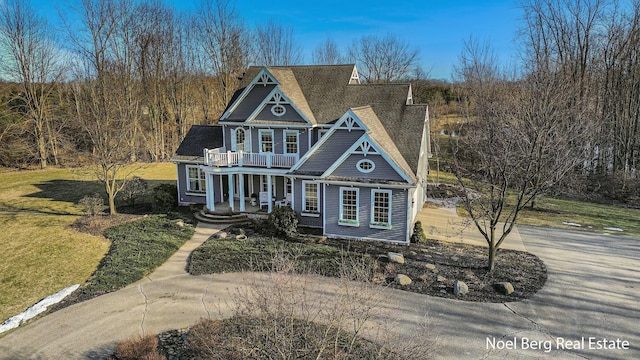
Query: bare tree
31, 59
384, 59
225, 42
103, 103
520, 138
276, 45
327, 53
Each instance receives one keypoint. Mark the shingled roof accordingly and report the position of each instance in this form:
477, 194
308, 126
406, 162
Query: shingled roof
325, 92
198, 138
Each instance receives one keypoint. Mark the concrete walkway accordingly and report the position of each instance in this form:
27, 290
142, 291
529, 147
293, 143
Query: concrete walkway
592, 291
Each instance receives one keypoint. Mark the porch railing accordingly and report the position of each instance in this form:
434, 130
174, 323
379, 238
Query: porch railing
219, 157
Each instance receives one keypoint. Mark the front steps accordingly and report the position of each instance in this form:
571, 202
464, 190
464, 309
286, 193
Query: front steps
221, 217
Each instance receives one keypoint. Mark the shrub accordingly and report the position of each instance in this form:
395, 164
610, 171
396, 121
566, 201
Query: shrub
92, 204
418, 235
164, 197
139, 347
284, 220
133, 188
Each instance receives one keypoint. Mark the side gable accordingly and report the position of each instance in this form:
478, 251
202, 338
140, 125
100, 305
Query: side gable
277, 107
251, 97
379, 165
358, 134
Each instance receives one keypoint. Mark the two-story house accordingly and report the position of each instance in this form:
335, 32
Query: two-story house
349, 158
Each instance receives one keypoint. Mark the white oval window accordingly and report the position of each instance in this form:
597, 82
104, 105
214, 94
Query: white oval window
278, 110
365, 166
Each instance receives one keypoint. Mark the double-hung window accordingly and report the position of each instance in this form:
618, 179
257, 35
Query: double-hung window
290, 142
310, 198
349, 200
266, 140
380, 209
195, 180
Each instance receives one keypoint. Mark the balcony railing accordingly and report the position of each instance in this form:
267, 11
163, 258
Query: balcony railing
221, 158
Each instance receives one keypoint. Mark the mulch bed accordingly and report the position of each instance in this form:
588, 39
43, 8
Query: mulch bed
435, 266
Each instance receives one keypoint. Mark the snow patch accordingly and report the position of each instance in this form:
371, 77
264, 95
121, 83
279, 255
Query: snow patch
571, 224
38, 308
614, 229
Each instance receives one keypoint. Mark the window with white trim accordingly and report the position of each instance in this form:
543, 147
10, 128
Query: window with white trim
381, 208
349, 199
310, 197
238, 139
290, 142
266, 140
365, 166
196, 180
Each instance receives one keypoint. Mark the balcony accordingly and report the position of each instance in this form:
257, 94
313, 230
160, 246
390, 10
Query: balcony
221, 158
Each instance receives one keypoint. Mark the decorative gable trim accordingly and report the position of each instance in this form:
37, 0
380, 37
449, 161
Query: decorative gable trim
263, 78
355, 77
365, 145
410, 96
350, 121
276, 98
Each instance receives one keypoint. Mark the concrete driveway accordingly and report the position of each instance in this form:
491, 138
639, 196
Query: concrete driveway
592, 291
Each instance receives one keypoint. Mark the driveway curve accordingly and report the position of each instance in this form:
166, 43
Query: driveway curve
592, 291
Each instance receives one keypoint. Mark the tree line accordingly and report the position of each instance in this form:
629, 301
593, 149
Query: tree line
564, 121
123, 80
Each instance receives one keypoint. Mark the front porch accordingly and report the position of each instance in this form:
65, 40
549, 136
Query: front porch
246, 193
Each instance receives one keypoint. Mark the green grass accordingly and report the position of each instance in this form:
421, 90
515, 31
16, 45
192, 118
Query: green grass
41, 253
553, 211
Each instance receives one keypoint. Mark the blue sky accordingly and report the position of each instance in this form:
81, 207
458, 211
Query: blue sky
437, 28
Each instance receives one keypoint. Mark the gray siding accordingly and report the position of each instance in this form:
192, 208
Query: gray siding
290, 115
382, 170
183, 197
278, 142
330, 151
397, 233
250, 103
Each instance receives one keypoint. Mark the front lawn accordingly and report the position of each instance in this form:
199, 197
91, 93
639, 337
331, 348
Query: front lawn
41, 253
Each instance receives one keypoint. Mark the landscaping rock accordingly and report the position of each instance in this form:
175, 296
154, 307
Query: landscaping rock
460, 288
441, 278
395, 257
403, 279
241, 237
236, 231
180, 223
455, 258
220, 235
504, 288
430, 266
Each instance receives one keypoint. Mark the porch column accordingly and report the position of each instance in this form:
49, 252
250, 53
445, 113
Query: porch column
241, 190
269, 194
231, 202
209, 192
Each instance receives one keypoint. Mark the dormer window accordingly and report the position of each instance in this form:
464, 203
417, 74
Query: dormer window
278, 110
